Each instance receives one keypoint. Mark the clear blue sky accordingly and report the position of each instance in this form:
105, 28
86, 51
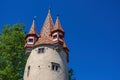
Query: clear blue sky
92, 31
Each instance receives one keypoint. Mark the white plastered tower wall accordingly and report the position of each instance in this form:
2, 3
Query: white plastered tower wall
38, 66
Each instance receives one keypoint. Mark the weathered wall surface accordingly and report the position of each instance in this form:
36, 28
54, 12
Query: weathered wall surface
40, 64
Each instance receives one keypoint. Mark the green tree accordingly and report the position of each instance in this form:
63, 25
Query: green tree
71, 74
12, 56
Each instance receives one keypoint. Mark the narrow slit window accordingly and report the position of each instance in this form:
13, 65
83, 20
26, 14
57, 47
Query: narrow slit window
28, 71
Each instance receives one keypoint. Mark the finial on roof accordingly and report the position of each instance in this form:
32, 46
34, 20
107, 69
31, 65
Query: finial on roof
34, 18
33, 27
57, 15
49, 9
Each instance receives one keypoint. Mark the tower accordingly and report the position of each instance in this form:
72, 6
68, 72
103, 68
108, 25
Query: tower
31, 38
48, 57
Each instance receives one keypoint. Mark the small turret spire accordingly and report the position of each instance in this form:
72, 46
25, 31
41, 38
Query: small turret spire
58, 25
31, 37
49, 10
33, 27
34, 19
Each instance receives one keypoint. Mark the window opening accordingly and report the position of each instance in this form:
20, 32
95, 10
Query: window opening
60, 36
28, 71
55, 36
55, 66
41, 50
30, 40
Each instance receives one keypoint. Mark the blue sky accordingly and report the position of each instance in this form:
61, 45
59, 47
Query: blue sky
92, 31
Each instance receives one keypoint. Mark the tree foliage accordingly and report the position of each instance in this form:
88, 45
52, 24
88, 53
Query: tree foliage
12, 56
71, 74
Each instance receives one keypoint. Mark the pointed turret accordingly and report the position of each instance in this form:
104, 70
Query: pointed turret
33, 28
58, 26
58, 33
47, 26
45, 37
31, 38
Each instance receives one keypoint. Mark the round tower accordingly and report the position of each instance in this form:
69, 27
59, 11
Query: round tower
48, 59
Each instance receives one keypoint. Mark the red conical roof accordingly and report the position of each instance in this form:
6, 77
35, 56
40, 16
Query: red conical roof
32, 31
33, 28
47, 26
45, 37
58, 25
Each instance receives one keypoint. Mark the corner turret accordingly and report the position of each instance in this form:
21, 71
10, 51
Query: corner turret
57, 33
31, 38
